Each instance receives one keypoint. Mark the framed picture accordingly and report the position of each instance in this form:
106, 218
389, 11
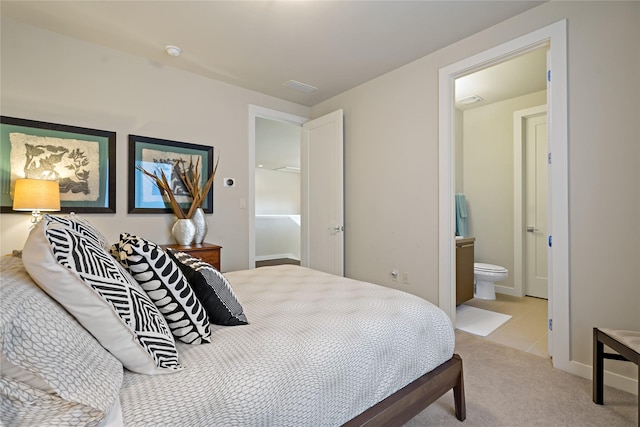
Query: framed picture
82, 160
160, 155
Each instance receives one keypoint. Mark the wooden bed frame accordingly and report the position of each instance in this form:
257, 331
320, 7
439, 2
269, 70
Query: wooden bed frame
409, 401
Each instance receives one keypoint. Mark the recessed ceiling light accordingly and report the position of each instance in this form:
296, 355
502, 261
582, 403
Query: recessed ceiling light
173, 50
471, 99
302, 87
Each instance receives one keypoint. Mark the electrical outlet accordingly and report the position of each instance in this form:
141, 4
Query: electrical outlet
405, 278
394, 275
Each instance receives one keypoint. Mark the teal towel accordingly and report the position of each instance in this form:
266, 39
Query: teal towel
461, 215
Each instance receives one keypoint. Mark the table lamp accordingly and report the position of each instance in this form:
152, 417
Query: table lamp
36, 195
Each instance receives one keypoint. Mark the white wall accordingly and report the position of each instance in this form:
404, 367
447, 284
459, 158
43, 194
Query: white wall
54, 78
488, 145
277, 192
277, 208
391, 174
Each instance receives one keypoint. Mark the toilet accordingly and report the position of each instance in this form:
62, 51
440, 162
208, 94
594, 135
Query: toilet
485, 277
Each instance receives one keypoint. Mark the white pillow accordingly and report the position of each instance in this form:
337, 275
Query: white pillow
76, 270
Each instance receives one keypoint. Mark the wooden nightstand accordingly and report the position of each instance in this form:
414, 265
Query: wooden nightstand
205, 251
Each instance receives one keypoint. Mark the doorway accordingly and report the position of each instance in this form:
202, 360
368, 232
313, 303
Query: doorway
277, 192
556, 36
267, 116
321, 188
531, 210
493, 172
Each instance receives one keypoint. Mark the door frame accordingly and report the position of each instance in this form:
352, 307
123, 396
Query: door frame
265, 113
556, 36
518, 193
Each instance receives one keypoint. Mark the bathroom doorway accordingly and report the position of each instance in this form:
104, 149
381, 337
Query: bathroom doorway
555, 36
493, 171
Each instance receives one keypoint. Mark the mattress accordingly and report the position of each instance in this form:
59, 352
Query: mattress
318, 350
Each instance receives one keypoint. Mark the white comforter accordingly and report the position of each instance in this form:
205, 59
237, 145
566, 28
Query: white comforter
319, 350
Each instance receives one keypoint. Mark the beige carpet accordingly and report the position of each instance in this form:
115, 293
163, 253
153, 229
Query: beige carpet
506, 387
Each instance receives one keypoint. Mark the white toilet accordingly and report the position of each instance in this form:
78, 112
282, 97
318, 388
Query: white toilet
485, 277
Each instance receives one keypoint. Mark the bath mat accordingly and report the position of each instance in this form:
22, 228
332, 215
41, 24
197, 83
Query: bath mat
478, 321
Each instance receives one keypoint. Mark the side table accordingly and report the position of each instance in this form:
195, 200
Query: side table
207, 252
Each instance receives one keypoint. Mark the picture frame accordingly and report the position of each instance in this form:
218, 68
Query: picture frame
154, 155
82, 160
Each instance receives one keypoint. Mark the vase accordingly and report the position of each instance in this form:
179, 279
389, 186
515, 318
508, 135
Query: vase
200, 222
183, 231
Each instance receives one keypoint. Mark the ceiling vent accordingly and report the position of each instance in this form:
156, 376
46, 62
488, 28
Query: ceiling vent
302, 87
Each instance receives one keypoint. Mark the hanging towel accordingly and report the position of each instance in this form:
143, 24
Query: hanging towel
461, 215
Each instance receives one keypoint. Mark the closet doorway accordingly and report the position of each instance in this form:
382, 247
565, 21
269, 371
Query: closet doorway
277, 192
321, 200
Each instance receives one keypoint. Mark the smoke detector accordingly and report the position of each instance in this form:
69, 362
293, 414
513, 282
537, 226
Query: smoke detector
173, 50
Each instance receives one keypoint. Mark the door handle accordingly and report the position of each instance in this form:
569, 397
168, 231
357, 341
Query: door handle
532, 229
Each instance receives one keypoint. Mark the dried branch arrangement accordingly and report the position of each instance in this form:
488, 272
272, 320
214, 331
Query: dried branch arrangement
190, 178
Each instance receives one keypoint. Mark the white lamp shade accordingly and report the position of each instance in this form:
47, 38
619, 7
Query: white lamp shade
36, 195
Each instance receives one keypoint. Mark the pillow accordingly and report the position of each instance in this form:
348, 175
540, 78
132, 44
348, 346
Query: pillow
212, 289
83, 227
84, 278
45, 352
167, 287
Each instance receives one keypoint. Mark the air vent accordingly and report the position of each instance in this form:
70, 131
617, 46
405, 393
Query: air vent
302, 87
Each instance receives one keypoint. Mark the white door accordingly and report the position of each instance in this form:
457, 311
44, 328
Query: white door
536, 258
322, 199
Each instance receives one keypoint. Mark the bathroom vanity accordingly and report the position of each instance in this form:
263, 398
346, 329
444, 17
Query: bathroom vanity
464, 269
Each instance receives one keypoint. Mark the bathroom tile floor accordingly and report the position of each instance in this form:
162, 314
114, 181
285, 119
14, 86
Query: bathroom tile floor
527, 328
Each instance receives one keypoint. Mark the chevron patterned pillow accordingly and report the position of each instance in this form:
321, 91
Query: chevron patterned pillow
75, 270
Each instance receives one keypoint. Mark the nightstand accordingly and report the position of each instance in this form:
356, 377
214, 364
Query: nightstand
205, 251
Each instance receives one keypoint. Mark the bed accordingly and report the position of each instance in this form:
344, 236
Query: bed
317, 350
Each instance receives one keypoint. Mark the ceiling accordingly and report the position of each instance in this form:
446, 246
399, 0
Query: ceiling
259, 45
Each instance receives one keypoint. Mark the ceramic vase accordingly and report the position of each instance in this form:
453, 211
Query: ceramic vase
200, 222
183, 230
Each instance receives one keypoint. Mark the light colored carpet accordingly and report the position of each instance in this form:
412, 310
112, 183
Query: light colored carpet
506, 387
478, 321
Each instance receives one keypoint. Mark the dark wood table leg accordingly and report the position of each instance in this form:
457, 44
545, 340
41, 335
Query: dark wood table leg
598, 368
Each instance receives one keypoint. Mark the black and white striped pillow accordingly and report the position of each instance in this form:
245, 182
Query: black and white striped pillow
213, 290
167, 287
71, 265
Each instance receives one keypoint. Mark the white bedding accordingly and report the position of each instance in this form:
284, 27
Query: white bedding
319, 350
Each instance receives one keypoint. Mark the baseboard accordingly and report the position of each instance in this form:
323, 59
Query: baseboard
276, 256
612, 379
506, 290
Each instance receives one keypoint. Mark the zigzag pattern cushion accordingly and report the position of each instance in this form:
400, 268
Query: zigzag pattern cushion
167, 287
83, 227
213, 290
75, 270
